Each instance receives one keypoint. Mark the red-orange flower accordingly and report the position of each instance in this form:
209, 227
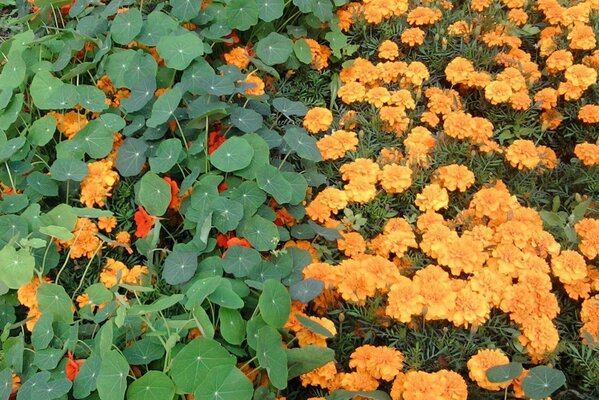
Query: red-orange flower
144, 222
215, 139
73, 366
175, 199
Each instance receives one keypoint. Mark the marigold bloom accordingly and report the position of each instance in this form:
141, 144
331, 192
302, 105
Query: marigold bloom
459, 70
498, 92
413, 37
569, 267
455, 177
85, 242
523, 154
70, 123
238, 57
352, 92
388, 50
318, 119
559, 61
589, 114
320, 54
588, 153
433, 197
107, 224
483, 360
404, 301
582, 37
423, 16
352, 244
588, 230
256, 85
395, 178
380, 362
99, 182
334, 146
306, 337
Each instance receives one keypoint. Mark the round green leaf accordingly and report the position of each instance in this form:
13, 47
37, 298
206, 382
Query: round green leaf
126, 26
299, 185
269, 10
154, 385
179, 267
16, 269
164, 108
241, 261
144, 351
261, 233
274, 48
154, 194
234, 154
242, 14
131, 157
179, 51
185, 9
246, 120
43, 88
54, 300
195, 361
272, 181
42, 130
85, 382
542, 381
303, 144
227, 214
272, 356
274, 303
232, 326
302, 51
112, 378
250, 196
95, 139
224, 383
166, 155
225, 296
91, 98
504, 373
289, 107
306, 290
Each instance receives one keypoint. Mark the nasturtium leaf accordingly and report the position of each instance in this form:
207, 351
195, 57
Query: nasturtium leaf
272, 356
5, 384
42, 333
5, 97
163, 303
352, 394
91, 98
13, 203
232, 326
156, 26
112, 122
323, 9
269, 10
202, 288
242, 14
126, 26
261, 233
131, 157
227, 214
249, 195
142, 91
85, 381
224, 382
47, 359
154, 385
214, 84
54, 300
245, 119
179, 267
542, 381
42, 130
98, 294
11, 113
289, 107
144, 351
303, 144
40, 386
225, 296
58, 232
504, 373
65, 169
17, 266
154, 194
194, 361
10, 147
336, 39
241, 261
185, 9
166, 155
7, 316
43, 87
272, 181
234, 154
274, 49
95, 139
274, 303
302, 51
306, 290
299, 185
164, 108
179, 51
117, 64
112, 378
302, 360
313, 326
261, 156
13, 72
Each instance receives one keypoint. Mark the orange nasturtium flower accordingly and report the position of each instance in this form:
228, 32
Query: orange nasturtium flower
73, 366
144, 222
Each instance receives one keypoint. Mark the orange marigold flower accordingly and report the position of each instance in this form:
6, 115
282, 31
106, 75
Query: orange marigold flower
559, 61
483, 360
582, 37
238, 57
459, 70
69, 124
255, 85
522, 154
569, 267
352, 244
395, 178
589, 113
424, 16
318, 119
588, 153
436, 288
334, 146
455, 177
388, 50
413, 37
306, 337
99, 182
588, 230
324, 376
459, 28
380, 362
352, 92
546, 98
433, 197
498, 92
107, 224
85, 242
403, 300
517, 16
144, 222
320, 54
